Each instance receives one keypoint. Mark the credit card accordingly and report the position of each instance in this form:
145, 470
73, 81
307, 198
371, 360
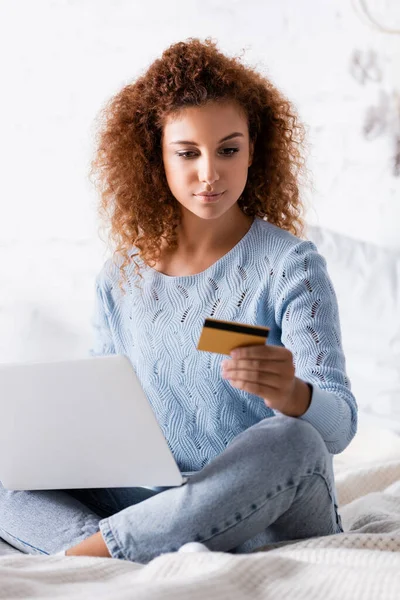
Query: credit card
223, 336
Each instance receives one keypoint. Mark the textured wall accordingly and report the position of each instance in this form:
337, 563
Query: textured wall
65, 58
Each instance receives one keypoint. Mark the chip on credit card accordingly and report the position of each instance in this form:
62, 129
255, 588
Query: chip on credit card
223, 336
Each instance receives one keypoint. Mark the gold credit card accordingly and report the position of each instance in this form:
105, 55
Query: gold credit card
223, 336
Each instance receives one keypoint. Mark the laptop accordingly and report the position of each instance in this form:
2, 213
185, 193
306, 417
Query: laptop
82, 423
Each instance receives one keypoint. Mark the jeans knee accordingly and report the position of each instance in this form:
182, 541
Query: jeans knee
301, 438
288, 436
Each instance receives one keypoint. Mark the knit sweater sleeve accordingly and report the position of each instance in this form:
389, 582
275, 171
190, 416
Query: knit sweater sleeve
306, 310
102, 343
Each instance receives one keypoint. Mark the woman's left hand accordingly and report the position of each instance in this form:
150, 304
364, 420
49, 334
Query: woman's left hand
268, 372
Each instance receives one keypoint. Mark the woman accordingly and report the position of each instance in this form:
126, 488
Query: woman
198, 166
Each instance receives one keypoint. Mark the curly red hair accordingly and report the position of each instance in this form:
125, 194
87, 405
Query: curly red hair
128, 168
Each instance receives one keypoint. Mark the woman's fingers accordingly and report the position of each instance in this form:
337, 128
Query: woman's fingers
259, 366
266, 392
263, 380
266, 371
267, 352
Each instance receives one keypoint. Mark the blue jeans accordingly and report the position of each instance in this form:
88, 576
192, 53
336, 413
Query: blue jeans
273, 482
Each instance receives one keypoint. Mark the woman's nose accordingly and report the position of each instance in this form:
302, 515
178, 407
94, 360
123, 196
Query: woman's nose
208, 172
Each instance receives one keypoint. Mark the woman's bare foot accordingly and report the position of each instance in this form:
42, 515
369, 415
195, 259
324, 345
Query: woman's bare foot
92, 546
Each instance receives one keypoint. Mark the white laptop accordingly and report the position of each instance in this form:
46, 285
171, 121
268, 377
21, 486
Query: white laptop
80, 424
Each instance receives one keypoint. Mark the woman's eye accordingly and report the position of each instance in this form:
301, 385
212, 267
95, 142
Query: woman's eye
186, 154
229, 151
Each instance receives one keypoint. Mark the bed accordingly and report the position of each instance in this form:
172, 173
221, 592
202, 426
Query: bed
361, 563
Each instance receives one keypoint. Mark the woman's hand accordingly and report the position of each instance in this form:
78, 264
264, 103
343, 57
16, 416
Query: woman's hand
268, 372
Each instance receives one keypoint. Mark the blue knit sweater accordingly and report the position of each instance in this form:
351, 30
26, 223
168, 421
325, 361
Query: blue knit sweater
270, 277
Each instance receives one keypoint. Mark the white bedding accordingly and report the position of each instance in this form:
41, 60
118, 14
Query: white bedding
362, 563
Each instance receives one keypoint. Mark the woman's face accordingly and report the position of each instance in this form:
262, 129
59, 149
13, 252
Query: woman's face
207, 149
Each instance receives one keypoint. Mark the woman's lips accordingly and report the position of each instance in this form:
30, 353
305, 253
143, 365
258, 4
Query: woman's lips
212, 198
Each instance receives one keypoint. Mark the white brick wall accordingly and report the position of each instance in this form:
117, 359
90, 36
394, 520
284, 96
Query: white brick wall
64, 58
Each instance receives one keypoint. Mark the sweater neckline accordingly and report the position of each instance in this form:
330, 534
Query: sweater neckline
215, 264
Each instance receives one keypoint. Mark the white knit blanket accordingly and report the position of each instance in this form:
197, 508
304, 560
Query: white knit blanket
360, 564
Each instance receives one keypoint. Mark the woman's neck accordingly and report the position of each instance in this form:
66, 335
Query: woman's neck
197, 253
200, 237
